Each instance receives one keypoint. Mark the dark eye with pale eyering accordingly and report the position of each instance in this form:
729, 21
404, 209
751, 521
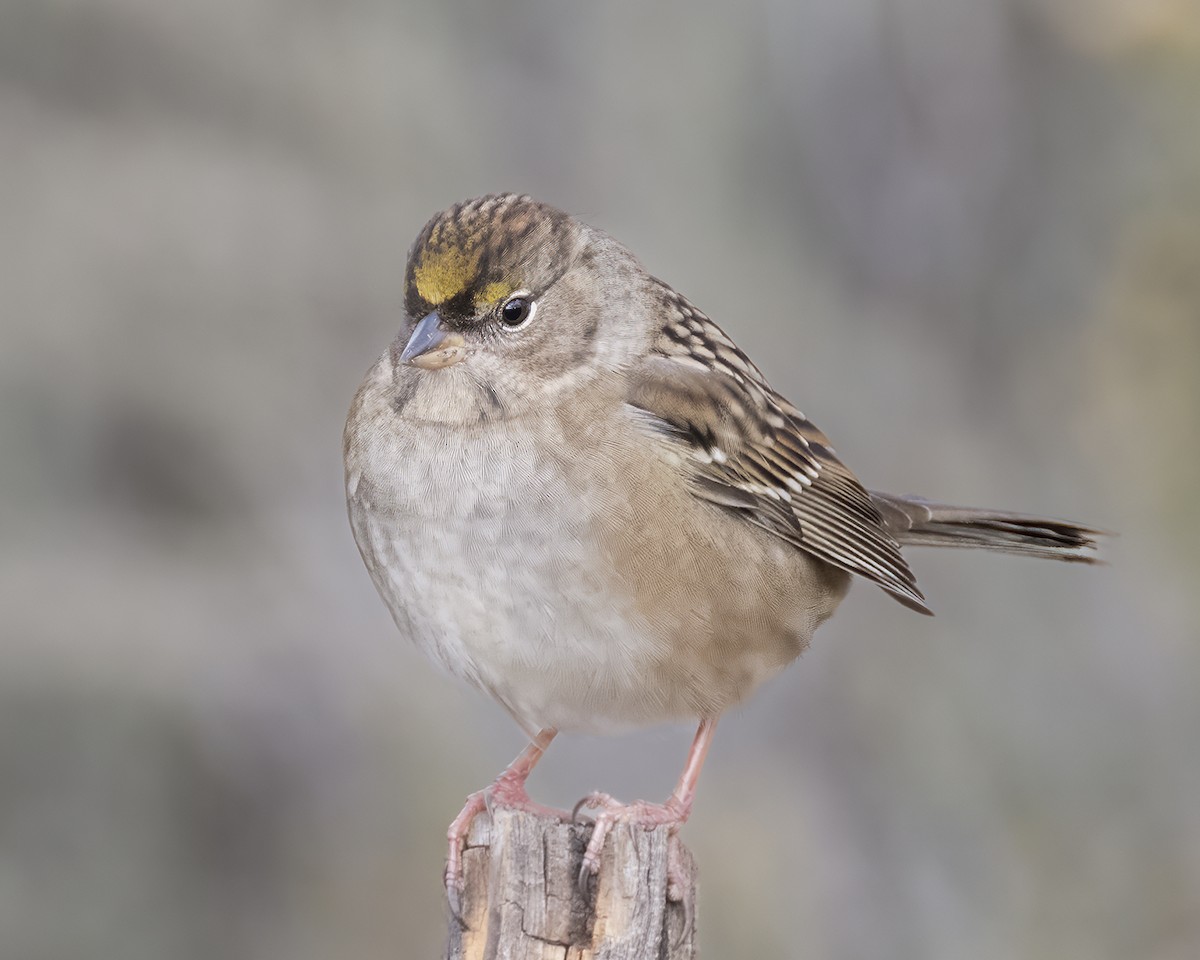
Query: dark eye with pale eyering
517, 311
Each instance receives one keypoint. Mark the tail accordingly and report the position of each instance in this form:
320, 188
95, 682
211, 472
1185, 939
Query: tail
916, 522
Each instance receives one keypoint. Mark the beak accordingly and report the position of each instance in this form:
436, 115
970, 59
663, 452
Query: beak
431, 346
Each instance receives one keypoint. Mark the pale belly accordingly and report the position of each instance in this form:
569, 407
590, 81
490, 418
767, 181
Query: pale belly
498, 580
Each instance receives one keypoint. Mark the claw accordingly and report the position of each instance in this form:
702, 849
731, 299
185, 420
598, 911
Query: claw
457, 837
678, 880
677, 877
584, 880
673, 814
454, 902
508, 790
595, 799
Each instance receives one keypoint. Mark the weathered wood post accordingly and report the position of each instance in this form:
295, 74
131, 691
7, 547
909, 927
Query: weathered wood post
522, 899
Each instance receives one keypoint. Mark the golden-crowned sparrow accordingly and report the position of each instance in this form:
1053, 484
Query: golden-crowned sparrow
575, 492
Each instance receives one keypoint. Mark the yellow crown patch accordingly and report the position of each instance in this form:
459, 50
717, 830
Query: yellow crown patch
444, 274
494, 292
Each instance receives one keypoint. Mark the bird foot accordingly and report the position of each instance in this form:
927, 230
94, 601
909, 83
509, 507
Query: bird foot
672, 814
507, 792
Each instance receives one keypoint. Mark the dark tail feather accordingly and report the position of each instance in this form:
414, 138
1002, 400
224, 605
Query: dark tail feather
916, 522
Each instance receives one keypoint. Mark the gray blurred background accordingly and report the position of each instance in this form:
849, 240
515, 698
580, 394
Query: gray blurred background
963, 237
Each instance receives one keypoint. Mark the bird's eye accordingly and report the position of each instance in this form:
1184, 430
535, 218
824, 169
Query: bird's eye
517, 311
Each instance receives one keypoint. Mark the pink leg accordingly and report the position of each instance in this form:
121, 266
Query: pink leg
640, 813
508, 790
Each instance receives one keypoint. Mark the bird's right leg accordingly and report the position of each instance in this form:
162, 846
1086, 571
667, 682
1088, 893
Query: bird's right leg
508, 790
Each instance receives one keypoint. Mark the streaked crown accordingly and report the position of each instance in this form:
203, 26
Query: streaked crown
478, 252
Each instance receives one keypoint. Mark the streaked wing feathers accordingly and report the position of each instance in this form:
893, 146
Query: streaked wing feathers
753, 452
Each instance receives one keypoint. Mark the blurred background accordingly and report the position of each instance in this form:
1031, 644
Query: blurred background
963, 237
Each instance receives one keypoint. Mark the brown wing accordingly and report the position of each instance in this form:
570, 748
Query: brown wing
753, 452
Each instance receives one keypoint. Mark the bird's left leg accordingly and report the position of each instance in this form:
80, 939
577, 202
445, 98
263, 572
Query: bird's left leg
673, 813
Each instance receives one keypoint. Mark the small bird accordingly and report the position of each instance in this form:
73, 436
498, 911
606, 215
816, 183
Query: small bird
574, 491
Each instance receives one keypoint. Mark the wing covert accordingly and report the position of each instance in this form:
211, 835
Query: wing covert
751, 451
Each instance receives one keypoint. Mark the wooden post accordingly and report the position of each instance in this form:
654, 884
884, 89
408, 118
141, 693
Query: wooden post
522, 901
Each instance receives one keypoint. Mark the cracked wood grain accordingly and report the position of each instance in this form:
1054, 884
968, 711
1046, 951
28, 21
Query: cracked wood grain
521, 900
